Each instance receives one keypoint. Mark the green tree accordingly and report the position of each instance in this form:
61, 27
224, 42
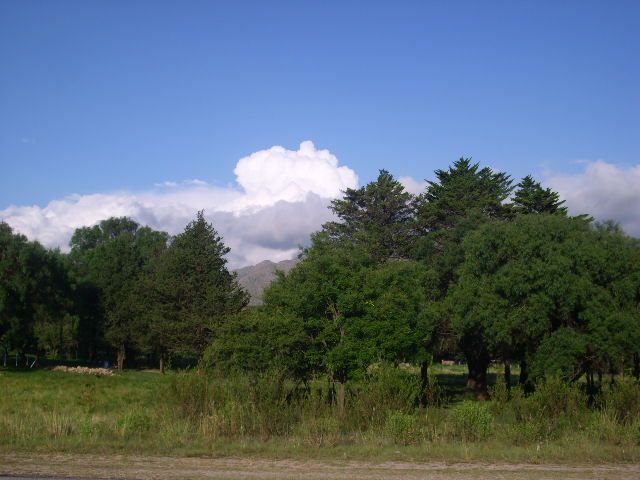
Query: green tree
34, 291
400, 319
355, 310
323, 290
191, 292
56, 323
456, 203
259, 340
531, 197
463, 188
378, 217
111, 257
545, 290
15, 312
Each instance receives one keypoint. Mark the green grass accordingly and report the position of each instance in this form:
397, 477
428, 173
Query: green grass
190, 414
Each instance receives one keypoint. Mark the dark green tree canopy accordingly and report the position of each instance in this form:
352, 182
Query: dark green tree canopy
377, 216
35, 291
456, 203
355, 310
531, 197
545, 289
112, 257
462, 189
192, 290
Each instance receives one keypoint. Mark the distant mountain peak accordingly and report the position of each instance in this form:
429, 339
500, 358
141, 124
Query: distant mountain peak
257, 277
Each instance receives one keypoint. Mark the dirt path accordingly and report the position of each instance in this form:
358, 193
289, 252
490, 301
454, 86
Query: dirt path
140, 467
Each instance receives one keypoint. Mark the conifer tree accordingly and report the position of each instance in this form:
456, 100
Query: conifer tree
192, 291
531, 197
378, 217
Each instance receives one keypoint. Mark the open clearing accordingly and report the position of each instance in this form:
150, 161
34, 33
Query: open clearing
155, 467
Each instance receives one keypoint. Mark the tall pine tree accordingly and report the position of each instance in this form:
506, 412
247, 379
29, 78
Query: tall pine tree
377, 217
531, 197
192, 292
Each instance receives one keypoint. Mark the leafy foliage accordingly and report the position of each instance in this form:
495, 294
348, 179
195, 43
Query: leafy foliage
111, 258
35, 295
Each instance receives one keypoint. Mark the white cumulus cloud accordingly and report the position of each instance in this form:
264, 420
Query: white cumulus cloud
412, 185
603, 190
278, 174
281, 197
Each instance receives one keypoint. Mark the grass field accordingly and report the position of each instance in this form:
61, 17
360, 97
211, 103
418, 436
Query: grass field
140, 412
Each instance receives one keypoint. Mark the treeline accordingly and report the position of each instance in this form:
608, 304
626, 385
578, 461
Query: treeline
476, 268
122, 289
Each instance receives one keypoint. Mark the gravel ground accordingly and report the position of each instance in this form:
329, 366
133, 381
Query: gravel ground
50, 466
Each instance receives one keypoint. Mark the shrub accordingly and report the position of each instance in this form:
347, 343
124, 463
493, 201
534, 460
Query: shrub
553, 407
635, 431
472, 421
499, 393
386, 388
622, 400
434, 395
552, 399
402, 428
603, 427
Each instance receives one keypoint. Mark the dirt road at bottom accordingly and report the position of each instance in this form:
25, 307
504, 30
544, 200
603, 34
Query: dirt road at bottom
46, 466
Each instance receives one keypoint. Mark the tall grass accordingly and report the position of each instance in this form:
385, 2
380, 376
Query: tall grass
196, 412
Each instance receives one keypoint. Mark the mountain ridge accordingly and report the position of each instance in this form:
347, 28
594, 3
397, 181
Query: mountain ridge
255, 278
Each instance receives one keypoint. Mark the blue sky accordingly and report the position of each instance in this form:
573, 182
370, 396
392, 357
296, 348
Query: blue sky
121, 95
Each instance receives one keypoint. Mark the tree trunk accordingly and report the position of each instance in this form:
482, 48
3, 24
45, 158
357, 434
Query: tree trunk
162, 363
340, 397
526, 385
477, 378
507, 375
121, 357
524, 374
636, 366
424, 382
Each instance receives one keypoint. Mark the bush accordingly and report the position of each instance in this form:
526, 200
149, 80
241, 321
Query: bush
552, 408
622, 400
434, 395
472, 421
604, 427
386, 388
552, 399
499, 393
402, 428
635, 431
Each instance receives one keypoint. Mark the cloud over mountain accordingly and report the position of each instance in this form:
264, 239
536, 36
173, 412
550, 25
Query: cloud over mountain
281, 197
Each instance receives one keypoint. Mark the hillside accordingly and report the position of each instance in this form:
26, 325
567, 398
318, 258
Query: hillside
256, 278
